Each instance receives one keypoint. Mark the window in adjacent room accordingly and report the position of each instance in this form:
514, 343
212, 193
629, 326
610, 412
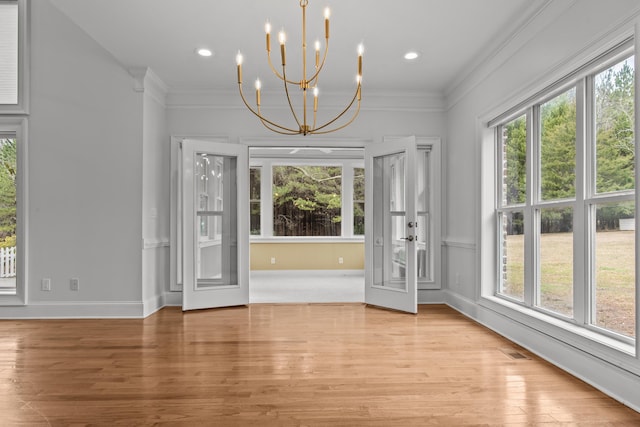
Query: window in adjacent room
307, 200
254, 200
358, 201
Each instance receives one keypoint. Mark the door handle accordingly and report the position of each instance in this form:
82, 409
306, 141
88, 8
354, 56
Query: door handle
410, 238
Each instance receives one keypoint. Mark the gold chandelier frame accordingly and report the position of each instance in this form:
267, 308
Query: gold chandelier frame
304, 127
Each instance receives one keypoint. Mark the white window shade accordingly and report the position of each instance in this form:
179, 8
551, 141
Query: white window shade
8, 54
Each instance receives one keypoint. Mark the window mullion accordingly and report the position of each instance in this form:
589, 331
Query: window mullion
531, 255
581, 232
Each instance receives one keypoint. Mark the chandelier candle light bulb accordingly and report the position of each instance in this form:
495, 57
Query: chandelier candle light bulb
327, 14
267, 30
258, 86
315, 99
239, 62
283, 39
304, 83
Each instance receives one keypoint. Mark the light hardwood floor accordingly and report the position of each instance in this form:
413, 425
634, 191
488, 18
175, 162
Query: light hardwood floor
285, 365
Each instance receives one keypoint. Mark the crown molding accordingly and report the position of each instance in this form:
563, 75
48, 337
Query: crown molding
146, 81
536, 18
371, 101
601, 43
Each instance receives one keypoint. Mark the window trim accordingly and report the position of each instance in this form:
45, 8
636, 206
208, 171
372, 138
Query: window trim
22, 107
585, 335
18, 128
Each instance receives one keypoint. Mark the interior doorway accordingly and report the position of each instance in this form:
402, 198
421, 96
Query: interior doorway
333, 250
307, 224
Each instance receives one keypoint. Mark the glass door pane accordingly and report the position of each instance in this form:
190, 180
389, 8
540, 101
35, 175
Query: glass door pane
217, 220
390, 254
423, 225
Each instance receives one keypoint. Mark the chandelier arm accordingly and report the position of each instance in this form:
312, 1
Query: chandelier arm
263, 119
272, 129
286, 90
277, 74
313, 132
338, 128
355, 96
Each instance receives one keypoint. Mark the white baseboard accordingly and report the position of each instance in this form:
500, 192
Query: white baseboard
74, 310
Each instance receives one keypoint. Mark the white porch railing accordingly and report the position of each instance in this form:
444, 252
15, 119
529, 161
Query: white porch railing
8, 262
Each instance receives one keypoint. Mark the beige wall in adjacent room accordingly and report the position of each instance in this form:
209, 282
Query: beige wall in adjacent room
307, 256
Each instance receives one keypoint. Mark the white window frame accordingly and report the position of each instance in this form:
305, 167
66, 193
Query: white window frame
22, 107
17, 128
621, 351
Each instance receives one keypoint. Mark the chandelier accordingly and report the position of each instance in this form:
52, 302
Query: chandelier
304, 124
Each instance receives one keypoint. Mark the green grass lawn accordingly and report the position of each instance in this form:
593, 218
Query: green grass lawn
614, 276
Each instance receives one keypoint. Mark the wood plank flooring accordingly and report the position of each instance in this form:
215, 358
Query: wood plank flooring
285, 365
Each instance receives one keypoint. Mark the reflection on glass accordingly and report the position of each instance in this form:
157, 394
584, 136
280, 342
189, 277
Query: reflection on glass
217, 225
512, 248
614, 261
555, 285
389, 222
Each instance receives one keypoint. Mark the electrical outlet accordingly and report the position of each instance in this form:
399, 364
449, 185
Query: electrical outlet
74, 284
273, 260
45, 285
340, 260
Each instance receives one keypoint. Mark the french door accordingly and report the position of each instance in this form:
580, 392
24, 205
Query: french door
215, 229
391, 234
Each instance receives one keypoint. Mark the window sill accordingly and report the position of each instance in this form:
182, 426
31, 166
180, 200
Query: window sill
590, 341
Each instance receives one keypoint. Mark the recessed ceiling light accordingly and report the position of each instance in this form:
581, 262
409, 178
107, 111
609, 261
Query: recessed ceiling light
410, 56
204, 52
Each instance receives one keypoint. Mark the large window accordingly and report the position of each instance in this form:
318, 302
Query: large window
566, 198
13, 58
8, 215
8, 53
12, 209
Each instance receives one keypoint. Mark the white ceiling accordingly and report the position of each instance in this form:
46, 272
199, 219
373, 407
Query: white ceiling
452, 36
